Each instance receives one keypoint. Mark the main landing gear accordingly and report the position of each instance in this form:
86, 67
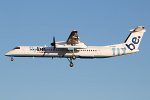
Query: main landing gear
70, 60
74, 57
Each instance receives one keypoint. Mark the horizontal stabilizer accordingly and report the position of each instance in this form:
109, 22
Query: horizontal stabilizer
139, 28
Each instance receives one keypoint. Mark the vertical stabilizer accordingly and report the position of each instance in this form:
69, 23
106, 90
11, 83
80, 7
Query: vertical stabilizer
134, 39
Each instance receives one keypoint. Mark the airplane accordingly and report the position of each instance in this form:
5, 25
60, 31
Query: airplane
73, 48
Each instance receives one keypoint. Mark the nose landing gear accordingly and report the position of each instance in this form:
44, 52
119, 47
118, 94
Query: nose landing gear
12, 59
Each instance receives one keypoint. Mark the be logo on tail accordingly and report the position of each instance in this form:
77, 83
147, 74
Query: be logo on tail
135, 40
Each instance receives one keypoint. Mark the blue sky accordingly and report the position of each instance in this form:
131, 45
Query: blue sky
99, 22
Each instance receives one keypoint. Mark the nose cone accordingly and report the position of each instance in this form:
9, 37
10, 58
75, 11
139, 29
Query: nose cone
8, 53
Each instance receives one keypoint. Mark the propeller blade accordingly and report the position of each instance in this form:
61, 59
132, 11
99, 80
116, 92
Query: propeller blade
54, 39
53, 43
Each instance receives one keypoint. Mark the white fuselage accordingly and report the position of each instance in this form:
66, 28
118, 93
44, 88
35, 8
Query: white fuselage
89, 52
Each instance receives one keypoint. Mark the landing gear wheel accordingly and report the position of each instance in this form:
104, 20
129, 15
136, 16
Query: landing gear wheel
70, 60
74, 57
71, 64
12, 59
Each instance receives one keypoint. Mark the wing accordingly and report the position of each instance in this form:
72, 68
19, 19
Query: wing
73, 38
72, 42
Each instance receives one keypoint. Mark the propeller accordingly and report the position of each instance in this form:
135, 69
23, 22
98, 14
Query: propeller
53, 43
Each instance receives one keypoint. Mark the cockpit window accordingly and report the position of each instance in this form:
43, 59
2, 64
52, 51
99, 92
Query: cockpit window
17, 48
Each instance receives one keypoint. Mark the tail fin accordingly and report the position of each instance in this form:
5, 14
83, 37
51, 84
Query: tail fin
134, 39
